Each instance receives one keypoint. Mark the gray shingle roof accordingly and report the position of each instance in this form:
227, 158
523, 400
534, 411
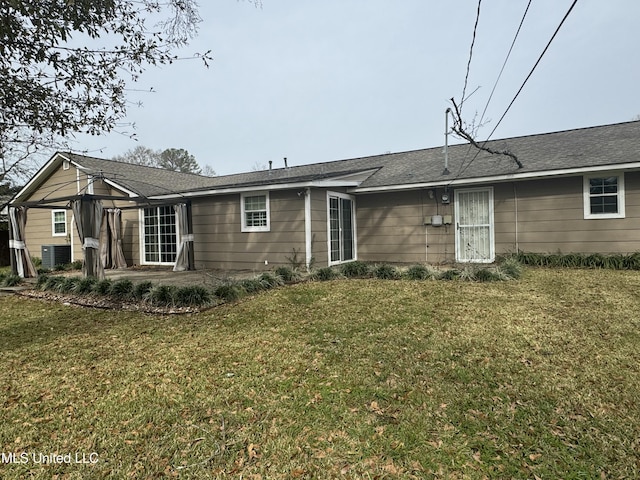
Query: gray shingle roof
580, 148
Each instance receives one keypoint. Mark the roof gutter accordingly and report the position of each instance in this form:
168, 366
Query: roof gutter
498, 178
261, 188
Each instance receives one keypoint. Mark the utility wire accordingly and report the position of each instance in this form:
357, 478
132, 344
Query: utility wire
473, 41
495, 85
534, 67
505, 62
521, 87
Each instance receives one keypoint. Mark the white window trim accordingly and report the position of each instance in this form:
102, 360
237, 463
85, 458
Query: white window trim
587, 196
142, 245
53, 223
243, 220
353, 223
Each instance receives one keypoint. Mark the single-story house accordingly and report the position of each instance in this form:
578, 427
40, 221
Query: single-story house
577, 191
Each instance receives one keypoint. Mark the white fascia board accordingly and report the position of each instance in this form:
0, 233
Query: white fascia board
121, 188
46, 169
50, 167
106, 180
500, 178
260, 188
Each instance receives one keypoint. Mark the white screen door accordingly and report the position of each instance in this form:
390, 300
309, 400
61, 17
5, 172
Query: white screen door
474, 225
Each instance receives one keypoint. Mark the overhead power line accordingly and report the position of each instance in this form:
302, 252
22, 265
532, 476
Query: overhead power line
495, 85
473, 41
533, 69
463, 169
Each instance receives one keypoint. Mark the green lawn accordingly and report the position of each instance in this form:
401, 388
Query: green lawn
537, 378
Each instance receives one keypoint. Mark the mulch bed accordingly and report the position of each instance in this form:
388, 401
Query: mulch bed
106, 303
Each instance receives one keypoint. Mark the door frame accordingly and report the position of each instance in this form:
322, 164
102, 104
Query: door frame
491, 225
354, 228
141, 234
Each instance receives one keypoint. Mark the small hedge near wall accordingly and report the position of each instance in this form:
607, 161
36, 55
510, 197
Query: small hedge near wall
197, 296
580, 260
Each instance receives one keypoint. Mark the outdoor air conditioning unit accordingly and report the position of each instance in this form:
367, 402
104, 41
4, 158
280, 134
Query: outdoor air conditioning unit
53, 255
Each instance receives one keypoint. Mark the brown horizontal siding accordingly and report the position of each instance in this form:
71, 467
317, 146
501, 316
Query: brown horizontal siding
391, 227
220, 243
550, 218
319, 245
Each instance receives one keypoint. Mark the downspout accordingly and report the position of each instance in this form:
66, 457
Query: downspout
191, 252
307, 228
515, 203
12, 250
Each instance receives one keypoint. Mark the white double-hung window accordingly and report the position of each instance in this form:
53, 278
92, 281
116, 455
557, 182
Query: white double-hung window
59, 223
604, 196
255, 212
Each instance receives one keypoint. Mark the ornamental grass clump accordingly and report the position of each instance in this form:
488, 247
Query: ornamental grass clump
11, 280
288, 274
103, 287
68, 285
252, 285
161, 295
122, 289
386, 272
420, 272
230, 291
51, 283
142, 289
511, 268
324, 274
355, 269
192, 296
270, 280
85, 285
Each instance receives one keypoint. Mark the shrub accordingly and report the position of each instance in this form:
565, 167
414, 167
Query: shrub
11, 280
103, 287
122, 289
252, 285
85, 285
386, 272
41, 281
325, 273
487, 275
467, 273
268, 280
142, 289
52, 283
354, 269
450, 274
68, 284
420, 272
230, 292
192, 296
77, 265
287, 274
512, 268
161, 295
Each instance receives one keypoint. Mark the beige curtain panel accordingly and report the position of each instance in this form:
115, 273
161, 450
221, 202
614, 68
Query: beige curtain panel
23, 263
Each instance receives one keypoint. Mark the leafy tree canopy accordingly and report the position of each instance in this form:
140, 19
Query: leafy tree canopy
65, 65
176, 159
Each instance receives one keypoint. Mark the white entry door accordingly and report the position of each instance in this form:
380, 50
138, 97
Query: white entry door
474, 225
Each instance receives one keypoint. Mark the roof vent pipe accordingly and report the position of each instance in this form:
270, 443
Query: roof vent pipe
270, 164
285, 162
446, 142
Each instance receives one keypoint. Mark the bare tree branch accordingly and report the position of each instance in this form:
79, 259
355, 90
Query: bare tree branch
460, 130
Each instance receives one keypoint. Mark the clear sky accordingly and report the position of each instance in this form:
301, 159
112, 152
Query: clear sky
326, 80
